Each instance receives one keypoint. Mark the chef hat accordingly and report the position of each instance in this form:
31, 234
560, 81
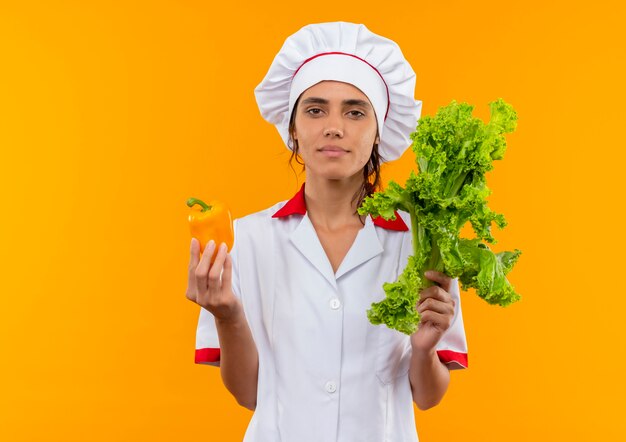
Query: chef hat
353, 54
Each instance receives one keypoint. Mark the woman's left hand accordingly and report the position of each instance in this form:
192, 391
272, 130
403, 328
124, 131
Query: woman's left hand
436, 307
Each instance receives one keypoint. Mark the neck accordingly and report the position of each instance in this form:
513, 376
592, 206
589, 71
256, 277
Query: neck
329, 202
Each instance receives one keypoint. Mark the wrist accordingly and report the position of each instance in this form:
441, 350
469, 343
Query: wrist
423, 353
234, 316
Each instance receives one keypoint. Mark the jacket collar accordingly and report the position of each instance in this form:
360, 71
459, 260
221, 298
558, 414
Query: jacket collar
297, 205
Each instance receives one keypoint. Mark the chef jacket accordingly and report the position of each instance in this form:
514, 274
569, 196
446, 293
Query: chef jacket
325, 372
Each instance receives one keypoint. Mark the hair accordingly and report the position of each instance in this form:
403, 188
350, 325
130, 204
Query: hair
371, 172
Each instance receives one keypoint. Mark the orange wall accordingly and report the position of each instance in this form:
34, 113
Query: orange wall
113, 113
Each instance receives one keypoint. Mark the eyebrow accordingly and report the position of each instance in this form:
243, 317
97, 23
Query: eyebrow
350, 102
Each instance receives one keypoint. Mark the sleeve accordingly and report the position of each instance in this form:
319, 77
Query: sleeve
207, 341
452, 348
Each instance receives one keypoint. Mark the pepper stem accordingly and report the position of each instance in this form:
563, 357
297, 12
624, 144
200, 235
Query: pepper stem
192, 201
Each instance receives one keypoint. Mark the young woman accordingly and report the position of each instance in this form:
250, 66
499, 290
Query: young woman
284, 314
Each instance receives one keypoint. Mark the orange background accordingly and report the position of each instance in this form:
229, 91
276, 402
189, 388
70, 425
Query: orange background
113, 113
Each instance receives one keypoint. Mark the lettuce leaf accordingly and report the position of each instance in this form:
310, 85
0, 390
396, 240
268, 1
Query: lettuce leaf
453, 152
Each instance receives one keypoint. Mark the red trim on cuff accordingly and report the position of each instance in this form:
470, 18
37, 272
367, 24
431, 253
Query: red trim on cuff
449, 356
204, 355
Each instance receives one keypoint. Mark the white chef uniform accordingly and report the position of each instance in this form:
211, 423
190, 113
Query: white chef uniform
325, 372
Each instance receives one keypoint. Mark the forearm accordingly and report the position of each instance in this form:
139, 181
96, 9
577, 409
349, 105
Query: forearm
239, 361
429, 378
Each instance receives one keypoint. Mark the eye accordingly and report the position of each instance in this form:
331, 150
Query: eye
356, 113
313, 111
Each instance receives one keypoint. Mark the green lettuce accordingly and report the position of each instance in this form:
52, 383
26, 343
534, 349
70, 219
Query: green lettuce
453, 152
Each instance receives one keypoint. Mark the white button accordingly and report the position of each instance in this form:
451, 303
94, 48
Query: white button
331, 387
335, 303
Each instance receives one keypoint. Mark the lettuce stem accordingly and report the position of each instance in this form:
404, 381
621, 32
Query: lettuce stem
414, 230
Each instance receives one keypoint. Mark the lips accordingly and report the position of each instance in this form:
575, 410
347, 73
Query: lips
332, 148
332, 151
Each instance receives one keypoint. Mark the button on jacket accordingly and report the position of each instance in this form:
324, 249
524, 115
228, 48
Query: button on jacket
325, 372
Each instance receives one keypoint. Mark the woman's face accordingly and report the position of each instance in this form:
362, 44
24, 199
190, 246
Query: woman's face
335, 126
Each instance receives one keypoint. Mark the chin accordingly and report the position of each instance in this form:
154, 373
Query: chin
338, 175
335, 171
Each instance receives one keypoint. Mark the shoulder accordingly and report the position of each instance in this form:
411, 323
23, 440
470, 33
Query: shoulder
257, 219
254, 233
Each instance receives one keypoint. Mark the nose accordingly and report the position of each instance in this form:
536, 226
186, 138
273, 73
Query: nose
331, 131
333, 127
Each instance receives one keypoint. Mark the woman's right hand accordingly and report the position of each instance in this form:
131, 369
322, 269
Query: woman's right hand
207, 285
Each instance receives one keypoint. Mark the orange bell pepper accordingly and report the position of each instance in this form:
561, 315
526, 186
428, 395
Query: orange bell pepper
210, 222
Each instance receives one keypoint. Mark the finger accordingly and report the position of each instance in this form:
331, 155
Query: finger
441, 278
216, 269
195, 253
205, 260
436, 306
438, 319
435, 292
191, 292
203, 267
228, 272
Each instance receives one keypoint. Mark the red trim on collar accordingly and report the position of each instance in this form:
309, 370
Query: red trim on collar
297, 205
294, 205
396, 224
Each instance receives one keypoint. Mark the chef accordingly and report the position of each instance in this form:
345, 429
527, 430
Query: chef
284, 313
